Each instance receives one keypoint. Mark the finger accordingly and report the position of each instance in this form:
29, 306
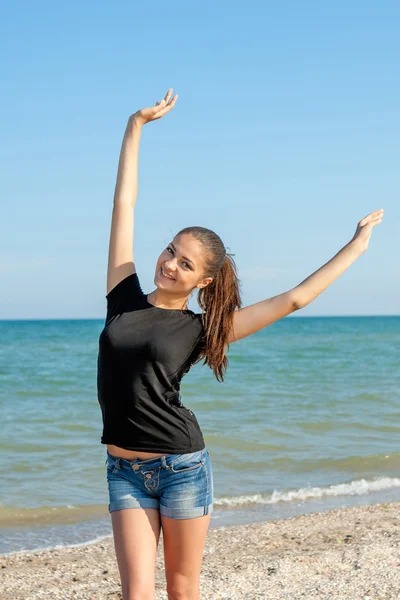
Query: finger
171, 104
373, 223
168, 95
377, 214
161, 113
158, 106
166, 109
377, 217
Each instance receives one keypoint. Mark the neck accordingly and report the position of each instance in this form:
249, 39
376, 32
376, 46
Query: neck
163, 300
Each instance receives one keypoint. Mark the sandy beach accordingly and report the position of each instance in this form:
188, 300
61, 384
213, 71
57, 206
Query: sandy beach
351, 554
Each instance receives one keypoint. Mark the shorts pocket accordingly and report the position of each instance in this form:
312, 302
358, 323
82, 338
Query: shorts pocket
110, 464
188, 462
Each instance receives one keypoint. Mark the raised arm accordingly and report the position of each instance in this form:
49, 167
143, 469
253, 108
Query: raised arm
252, 318
120, 253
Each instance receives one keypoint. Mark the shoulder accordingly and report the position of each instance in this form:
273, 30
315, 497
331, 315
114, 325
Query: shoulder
128, 283
124, 296
198, 318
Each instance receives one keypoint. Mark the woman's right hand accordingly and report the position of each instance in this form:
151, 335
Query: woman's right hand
364, 228
145, 115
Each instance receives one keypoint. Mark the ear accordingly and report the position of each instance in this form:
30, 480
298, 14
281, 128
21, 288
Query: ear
205, 282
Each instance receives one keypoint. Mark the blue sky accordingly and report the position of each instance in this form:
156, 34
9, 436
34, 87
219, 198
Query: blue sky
285, 134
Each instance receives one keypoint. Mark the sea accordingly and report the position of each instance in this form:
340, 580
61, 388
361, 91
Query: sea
307, 420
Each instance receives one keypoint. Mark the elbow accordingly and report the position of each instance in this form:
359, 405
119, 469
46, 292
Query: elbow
298, 303
299, 298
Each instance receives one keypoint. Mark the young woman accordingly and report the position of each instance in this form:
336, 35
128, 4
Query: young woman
158, 468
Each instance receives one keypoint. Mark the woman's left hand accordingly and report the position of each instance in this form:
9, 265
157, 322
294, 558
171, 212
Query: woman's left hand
364, 228
145, 115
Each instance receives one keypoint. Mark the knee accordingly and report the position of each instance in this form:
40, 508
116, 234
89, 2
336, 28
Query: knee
138, 595
183, 593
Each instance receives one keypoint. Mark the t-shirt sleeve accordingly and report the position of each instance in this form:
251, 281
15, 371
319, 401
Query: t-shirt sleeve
123, 295
199, 346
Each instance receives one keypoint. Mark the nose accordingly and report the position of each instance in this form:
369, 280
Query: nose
170, 265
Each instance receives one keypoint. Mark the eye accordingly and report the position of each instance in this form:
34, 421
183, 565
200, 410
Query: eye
187, 266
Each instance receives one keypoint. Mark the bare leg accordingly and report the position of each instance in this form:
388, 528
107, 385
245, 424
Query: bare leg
184, 541
136, 535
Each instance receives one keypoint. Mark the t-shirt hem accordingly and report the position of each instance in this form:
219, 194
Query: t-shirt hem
163, 449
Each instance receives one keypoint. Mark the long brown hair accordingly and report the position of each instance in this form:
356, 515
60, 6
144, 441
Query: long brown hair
218, 300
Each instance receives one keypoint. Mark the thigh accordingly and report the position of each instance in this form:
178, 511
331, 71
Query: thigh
184, 541
185, 510
136, 535
136, 526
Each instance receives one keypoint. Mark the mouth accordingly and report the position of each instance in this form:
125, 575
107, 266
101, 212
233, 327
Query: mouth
164, 276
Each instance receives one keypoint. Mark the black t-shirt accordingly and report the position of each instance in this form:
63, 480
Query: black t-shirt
144, 351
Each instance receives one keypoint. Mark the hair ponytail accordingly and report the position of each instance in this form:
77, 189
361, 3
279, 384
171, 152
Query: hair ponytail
218, 300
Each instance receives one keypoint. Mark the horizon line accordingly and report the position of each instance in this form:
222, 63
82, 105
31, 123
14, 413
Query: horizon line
287, 316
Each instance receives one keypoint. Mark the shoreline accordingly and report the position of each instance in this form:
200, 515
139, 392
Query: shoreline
347, 553
54, 527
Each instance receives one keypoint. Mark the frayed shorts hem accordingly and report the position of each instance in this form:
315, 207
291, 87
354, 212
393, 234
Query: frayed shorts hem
185, 513
131, 503
165, 511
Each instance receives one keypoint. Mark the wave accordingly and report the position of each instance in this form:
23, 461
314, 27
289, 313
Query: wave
11, 516
353, 488
50, 527
99, 538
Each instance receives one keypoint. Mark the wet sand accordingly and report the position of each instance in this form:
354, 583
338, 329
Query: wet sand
348, 554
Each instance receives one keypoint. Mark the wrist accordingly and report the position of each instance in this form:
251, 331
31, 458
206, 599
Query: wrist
357, 245
134, 123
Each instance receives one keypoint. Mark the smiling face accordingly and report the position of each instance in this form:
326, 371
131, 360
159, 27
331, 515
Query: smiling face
180, 267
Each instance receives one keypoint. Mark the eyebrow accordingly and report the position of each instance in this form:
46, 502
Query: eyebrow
184, 257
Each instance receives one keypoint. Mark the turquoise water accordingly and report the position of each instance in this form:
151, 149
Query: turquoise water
307, 419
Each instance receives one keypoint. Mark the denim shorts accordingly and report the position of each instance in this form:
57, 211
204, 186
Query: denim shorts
180, 486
